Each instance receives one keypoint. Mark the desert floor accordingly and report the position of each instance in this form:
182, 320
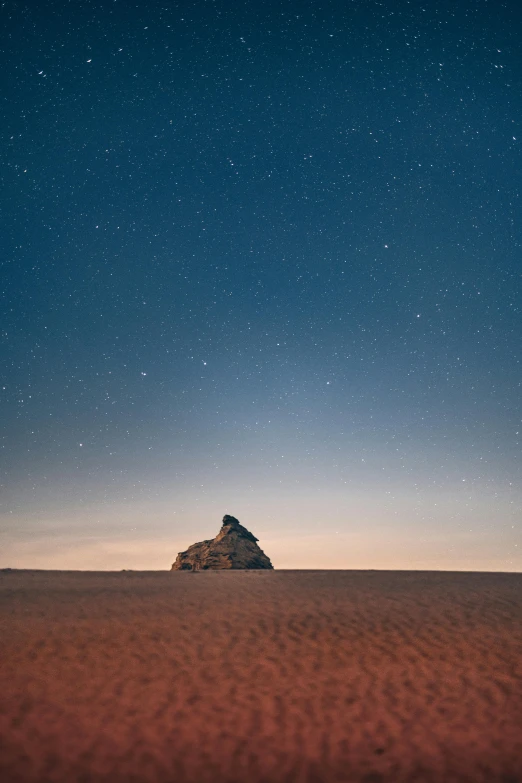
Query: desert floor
249, 676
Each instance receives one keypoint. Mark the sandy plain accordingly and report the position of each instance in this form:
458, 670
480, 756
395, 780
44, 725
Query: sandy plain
243, 677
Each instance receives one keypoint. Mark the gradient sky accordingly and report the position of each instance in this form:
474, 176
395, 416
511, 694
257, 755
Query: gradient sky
262, 258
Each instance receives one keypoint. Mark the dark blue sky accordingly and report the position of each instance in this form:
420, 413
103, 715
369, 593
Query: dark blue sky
262, 259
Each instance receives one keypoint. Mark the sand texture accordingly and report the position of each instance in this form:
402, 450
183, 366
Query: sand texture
243, 677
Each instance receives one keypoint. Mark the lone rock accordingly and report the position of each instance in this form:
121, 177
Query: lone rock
233, 547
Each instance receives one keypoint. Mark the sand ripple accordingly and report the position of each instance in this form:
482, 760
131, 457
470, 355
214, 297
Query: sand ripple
243, 677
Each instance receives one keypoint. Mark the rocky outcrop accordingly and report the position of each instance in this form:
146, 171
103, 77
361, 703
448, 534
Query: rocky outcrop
233, 547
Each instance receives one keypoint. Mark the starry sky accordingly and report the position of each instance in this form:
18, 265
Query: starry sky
262, 258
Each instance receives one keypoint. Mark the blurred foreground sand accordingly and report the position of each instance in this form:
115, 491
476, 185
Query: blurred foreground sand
243, 677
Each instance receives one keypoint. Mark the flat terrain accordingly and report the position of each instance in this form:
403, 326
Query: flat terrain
243, 677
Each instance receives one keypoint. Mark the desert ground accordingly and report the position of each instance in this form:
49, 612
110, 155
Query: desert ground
250, 676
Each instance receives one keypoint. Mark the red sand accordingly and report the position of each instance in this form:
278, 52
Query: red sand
217, 677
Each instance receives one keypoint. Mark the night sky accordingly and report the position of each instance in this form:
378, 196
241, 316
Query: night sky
264, 259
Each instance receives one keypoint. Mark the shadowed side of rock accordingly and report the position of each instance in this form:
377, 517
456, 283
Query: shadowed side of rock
234, 547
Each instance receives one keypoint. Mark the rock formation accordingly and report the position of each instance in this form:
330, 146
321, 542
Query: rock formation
233, 547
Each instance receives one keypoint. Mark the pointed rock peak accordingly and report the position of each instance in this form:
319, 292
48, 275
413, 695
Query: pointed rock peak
228, 520
233, 547
233, 525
